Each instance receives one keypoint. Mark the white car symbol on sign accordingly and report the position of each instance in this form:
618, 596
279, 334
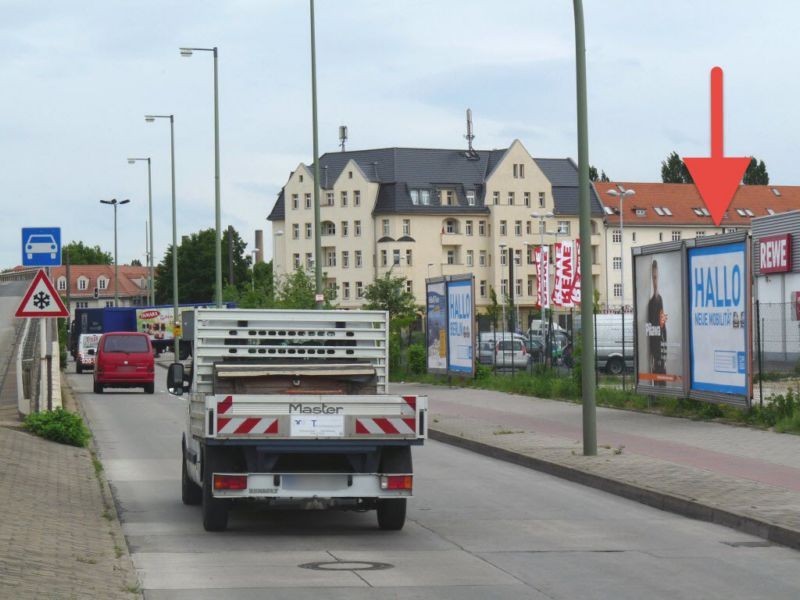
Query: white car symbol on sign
41, 244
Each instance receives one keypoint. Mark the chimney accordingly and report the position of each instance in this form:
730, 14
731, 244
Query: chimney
259, 245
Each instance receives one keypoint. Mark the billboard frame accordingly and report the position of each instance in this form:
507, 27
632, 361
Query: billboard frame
447, 280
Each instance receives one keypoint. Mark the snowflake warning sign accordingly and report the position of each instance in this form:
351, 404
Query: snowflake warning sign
41, 300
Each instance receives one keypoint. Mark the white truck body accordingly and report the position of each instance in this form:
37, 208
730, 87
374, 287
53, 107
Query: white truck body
292, 407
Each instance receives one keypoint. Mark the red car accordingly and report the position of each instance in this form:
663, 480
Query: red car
124, 359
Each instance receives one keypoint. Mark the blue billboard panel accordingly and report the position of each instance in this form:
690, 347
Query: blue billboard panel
436, 327
718, 318
41, 246
460, 322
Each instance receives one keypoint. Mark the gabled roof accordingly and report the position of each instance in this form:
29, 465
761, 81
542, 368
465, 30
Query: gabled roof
127, 275
684, 206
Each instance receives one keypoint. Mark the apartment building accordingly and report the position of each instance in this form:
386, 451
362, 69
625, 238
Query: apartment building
422, 213
662, 212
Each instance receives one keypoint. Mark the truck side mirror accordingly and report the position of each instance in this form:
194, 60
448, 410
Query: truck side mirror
175, 379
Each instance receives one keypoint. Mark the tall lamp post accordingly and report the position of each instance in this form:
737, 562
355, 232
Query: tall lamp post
319, 297
152, 294
622, 194
217, 205
113, 202
542, 217
175, 312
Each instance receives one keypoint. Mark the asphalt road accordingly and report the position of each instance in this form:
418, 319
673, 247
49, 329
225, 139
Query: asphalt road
477, 529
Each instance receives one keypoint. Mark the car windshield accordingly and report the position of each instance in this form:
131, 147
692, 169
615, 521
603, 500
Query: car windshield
40, 239
509, 345
125, 343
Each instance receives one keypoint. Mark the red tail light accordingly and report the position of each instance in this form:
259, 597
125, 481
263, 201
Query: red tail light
230, 482
397, 482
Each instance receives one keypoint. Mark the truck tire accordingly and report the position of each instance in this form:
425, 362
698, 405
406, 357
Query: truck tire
185, 350
98, 388
149, 388
615, 366
392, 514
191, 493
79, 368
215, 510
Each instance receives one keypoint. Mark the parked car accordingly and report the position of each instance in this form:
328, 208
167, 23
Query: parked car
124, 359
487, 344
503, 349
87, 350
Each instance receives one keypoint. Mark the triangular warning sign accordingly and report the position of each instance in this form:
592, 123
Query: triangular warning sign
41, 299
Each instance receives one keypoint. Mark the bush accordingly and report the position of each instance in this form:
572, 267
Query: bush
417, 359
395, 353
59, 426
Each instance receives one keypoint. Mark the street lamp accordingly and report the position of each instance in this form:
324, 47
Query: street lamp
542, 217
132, 161
254, 253
217, 207
113, 202
175, 311
622, 194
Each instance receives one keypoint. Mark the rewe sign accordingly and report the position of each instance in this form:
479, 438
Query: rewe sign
775, 253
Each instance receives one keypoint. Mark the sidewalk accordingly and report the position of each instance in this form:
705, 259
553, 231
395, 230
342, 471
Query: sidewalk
735, 476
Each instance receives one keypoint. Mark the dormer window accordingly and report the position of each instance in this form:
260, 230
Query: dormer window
470, 197
641, 212
62, 284
83, 283
102, 283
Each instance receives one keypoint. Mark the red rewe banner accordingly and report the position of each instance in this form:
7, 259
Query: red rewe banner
775, 253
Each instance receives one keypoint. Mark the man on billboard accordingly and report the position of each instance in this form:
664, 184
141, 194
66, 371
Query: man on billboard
656, 329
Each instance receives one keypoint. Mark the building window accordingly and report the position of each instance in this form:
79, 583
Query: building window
359, 260
81, 305
528, 228
329, 228
541, 199
483, 288
346, 290
329, 198
409, 286
660, 236
309, 261
395, 257
511, 198
700, 234
470, 257
481, 227
414, 197
451, 257
542, 226
344, 198
356, 198
641, 212
451, 197
385, 226
408, 257
296, 260
503, 255
349, 174
308, 200
530, 285
517, 227
504, 288
301, 179
563, 227
357, 228
468, 227
308, 231
516, 173
451, 226
482, 258
616, 263
102, 283
530, 255
345, 259
676, 236
633, 236
518, 287
345, 229
295, 231
521, 171
616, 236
384, 258
330, 258
109, 303
62, 284
617, 290
295, 201
425, 197
83, 283
503, 228
527, 198
406, 226
359, 290
518, 257
496, 198
470, 197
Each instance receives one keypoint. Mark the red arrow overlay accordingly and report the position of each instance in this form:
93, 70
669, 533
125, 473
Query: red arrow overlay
717, 178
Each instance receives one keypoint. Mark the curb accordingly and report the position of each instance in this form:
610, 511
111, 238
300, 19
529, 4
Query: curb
655, 498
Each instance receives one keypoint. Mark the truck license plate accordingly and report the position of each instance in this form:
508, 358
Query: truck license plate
317, 426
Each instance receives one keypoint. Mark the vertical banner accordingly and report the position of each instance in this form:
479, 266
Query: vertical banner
576, 282
460, 320
718, 318
437, 326
659, 322
542, 259
567, 283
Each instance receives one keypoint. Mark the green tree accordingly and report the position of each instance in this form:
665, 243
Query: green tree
84, 255
196, 265
493, 310
136, 262
594, 176
673, 170
390, 294
297, 290
264, 279
756, 173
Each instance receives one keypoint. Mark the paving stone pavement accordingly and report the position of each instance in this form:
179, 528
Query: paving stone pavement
735, 476
59, 533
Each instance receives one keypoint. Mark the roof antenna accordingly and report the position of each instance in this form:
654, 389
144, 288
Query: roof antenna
342, 135
470, 153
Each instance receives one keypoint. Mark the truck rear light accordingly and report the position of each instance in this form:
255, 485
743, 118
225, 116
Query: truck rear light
230, 482
397, 482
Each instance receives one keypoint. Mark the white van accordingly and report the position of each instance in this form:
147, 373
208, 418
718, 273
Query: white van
608, 341
87, 349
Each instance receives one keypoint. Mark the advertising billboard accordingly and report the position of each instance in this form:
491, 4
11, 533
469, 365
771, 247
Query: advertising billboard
718, 288
460, 324
436, 336
659, 322
155, 322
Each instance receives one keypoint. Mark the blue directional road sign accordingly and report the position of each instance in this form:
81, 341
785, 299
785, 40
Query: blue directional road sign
41, 246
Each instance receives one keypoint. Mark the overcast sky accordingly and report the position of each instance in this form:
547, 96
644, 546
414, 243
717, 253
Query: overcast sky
78, 78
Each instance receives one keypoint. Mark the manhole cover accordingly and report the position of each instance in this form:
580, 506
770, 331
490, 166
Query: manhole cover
346, 565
